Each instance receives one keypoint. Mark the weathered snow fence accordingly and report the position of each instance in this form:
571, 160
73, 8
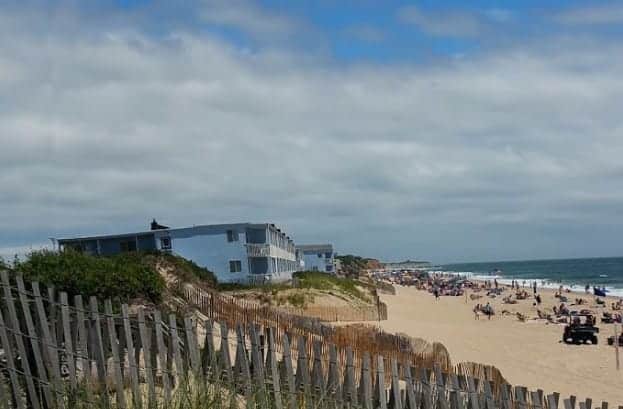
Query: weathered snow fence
129, 357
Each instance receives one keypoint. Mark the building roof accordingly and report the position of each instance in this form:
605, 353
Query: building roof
147, 232
315, 248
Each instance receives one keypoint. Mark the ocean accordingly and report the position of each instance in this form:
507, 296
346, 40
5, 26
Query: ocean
574, 273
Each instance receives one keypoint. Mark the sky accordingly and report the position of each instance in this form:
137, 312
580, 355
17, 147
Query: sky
450, 131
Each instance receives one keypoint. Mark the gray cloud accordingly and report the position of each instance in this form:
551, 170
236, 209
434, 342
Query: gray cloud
104, 130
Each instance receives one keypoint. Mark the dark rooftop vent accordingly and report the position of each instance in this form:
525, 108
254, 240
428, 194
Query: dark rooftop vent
156, 226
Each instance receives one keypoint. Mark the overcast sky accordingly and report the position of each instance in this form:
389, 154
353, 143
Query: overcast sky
432, 130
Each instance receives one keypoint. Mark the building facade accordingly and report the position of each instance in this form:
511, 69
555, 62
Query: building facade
317, 257
242, 252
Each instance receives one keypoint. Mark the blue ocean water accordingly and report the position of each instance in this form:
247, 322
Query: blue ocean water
600, 272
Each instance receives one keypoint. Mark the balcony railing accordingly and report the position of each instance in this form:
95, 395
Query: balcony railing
258, 250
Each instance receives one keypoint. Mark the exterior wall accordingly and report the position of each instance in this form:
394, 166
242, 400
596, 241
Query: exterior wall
315, 263
317, 258
263, 250
209, 248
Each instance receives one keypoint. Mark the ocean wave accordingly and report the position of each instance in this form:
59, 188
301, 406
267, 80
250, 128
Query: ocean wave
541, 282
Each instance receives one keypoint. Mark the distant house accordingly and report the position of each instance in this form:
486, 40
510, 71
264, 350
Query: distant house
317, 257
242, 252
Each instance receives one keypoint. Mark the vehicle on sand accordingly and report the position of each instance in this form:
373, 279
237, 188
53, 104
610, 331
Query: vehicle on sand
581, 329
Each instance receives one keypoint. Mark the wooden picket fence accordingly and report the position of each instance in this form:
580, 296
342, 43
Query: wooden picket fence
53, 345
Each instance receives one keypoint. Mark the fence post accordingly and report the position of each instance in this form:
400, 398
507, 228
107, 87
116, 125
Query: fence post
289, 373
225, 357
34, 341
17, 335
67, 338
114, 347
365, 383
8, 351
51, 355
162, 357
146, 341
395, 400
132, 358
98, 348
273, 371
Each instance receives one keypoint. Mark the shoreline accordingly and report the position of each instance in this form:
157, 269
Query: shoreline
527, 353
549, 284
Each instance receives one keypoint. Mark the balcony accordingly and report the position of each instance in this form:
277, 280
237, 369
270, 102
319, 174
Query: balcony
258, 250
266, 250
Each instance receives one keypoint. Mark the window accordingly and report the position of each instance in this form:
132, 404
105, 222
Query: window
127, 245
232, 236
329, 268
235, 266
165, 243
327, 255
319, 255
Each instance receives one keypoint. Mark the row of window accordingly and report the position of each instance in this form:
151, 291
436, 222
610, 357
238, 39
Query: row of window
326, 255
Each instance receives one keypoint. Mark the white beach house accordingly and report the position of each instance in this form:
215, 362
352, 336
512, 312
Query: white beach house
317, 257
240, 252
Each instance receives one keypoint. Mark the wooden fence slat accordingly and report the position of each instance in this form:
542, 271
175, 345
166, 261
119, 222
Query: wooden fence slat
380, 393
273, 371
146, 341
224, 356
288, 373
193, 350
137, 398
442, 402
114, 347
5, 399
426, 390
317, 376
242, 374
365, 383
34, 341
67, 340
551, 402
395, 400
333, 381
162, 357
410, 401
208, 353
83, 339
349, 389
10, 362
98, 348
302, 378
177, 353
257, 362
14, 327
50, 356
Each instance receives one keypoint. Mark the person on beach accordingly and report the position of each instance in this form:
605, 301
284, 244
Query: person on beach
477, 312
436, 292
534, 287
495, 282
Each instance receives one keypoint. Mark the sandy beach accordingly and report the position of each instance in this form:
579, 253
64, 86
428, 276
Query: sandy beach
527, 353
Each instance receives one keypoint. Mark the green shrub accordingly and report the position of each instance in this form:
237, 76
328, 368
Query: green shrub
324, 281
125, 276
297, 300
186, 270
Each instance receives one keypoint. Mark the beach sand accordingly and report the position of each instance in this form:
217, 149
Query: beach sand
528, 353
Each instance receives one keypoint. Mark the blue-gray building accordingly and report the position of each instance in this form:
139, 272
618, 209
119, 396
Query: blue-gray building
317, 257
241, 252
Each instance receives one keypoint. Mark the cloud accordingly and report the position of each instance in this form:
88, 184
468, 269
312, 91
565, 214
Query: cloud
446, 23
103, 129
248, 17
365, 33
606, 14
